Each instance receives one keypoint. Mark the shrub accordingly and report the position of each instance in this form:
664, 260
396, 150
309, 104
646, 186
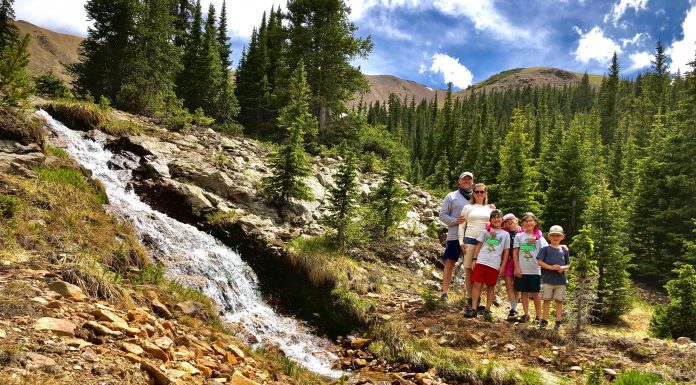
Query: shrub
229, 128
50, 85
8, 206
173, 115
596, 376
430, 299
678, 318
200, 119
634, 377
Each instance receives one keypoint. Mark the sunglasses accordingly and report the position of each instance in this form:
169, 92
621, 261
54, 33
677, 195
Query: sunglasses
479, 192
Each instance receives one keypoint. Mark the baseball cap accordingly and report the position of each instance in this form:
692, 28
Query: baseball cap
466, 173
509, 216
556, 229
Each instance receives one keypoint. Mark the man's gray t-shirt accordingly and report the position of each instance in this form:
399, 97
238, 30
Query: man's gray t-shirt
451, 209
553, 256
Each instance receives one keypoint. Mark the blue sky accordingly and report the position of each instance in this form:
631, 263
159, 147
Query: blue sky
466, 41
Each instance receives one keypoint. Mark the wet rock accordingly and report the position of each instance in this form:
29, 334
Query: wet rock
59, 326
67, 290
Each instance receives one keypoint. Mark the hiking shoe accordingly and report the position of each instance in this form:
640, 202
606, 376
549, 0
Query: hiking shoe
524, 318
481, 307
512, 314
444, 298
470, 313
558, 325
543, 323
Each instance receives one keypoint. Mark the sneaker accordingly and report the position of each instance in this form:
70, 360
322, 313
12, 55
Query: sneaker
543, 323
558, 325
513, 314
444, 298
481, 307
470, 313
524, 318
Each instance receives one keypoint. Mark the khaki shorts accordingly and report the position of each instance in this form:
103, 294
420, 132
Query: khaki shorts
555, 292
469, 256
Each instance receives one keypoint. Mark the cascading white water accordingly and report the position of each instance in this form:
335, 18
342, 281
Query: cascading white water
197, 259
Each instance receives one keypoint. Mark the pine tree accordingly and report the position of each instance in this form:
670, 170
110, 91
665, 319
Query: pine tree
321, 35
108, 49
583, 278
14, 82
223, 41
290, 163
608, 102
183, 14
386, 207
188, 77
155, 60
678, 318
516, 181
440, 179
605, 219
342, 201
572, 175
8, 31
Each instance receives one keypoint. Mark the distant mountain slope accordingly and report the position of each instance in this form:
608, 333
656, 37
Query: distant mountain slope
49, 49
383, 85
532, 76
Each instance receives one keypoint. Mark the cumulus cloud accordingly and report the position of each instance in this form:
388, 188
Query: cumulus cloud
594, 45
682, 51
639, 60
383, 24
67, 16
452, 70
482, 13
637, 38
621, 7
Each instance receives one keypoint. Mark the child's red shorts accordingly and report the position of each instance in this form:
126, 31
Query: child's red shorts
484, 274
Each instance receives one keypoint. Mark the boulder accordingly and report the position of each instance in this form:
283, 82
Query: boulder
239, 379
36, 361
67, 290
59, 326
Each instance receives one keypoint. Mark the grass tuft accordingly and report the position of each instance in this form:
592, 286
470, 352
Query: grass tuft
78, 115
8, 206
120, 127
57, 152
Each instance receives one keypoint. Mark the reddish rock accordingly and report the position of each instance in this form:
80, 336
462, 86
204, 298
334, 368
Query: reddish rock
59, 326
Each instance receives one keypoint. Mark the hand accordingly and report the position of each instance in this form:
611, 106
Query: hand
518, 272
557, 267
461, 219
532, 239
491, 206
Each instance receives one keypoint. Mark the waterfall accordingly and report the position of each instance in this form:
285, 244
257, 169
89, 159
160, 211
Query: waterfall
197, 259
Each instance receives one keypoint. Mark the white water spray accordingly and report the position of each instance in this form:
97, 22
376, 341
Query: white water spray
197, 259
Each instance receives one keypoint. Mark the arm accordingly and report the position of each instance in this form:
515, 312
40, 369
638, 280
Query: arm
506, 254
445, 216
566, 260
516, 261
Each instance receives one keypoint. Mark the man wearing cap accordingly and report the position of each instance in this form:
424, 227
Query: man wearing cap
450, 214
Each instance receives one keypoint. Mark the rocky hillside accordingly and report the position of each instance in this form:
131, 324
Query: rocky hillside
49, 50
381, 86
529, 77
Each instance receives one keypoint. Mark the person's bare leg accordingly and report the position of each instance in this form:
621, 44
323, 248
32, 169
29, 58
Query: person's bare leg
559, 310
511, 293
490, 293
525, 303
447, 275
469, 284
475, 291
537, 304
547, 309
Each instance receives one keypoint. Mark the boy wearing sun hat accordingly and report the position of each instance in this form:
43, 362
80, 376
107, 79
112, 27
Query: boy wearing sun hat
554, 262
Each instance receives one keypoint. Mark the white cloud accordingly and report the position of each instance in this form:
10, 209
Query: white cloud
639, 60
593, 45
637, 38
682, 51
452, 70
67, 16
621, 7
382, 24
482, 13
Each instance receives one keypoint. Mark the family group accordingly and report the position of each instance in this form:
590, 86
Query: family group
494, 245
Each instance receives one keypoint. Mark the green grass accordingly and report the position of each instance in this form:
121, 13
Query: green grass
72, 177
57, 152
222, 217
120, 127
8, 206
634, 377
